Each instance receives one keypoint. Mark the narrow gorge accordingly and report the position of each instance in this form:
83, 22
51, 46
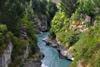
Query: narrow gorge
49, 33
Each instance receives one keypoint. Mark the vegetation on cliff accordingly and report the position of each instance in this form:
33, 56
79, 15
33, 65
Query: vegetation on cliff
76, 26
17, 28
74, 23
17, 25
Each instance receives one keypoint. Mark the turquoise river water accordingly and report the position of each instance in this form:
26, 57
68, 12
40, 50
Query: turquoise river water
51, 56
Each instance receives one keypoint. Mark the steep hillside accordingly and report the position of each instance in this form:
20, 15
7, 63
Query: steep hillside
77, 27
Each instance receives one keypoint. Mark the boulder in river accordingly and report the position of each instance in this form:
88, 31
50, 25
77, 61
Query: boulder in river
51, 42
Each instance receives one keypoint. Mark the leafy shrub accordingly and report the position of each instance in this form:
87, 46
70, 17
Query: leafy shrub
4, 38
73, 39
69, 7
59, 22
3, 28
86, 6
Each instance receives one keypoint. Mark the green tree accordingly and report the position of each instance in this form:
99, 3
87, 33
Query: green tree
69, 6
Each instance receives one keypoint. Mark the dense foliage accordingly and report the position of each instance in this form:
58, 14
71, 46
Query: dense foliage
3, 30
76, 25
16, 27
69, 6
79, 30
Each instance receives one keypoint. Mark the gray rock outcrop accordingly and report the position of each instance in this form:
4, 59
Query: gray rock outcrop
5, 58
41, 23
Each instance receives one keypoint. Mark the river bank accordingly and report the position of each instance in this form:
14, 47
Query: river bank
63, 52
51, 55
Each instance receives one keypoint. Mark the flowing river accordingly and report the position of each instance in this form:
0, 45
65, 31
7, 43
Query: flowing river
51, 56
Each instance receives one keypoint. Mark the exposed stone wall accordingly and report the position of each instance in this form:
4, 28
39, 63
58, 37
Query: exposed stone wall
5, 59
26, 53
41, 23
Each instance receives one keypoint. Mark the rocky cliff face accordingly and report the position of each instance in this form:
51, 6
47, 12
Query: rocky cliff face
5, 59
40, 23
26, 52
